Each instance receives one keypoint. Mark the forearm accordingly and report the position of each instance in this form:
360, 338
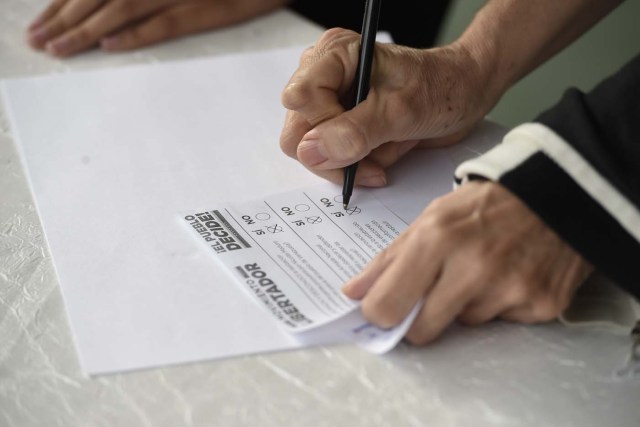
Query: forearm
509, 38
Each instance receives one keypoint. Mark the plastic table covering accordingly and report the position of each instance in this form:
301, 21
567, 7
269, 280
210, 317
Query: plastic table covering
496, 375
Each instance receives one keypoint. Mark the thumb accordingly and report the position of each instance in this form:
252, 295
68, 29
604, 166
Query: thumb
346, 138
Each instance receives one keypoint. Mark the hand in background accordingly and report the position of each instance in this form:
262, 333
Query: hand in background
426, 96
475, 254
67, 27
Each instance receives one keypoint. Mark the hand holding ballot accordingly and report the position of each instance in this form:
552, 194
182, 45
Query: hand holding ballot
67, 27
474, 255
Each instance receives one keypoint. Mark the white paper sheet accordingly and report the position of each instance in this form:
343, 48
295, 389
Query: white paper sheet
112, 155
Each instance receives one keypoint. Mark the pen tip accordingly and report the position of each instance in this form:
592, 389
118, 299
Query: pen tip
345, 205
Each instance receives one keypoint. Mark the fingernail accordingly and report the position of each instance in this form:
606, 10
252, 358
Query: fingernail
109, 43
38, 35
58, 47
311, 152
373, 181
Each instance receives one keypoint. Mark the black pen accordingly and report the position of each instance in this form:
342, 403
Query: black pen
363, 76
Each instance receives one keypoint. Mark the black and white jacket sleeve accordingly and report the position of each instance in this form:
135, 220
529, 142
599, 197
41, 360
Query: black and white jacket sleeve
578, 168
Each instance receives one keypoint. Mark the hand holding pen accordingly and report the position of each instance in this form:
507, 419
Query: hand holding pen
363, 79
406, 106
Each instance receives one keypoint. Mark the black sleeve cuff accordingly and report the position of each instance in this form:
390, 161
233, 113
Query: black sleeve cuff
570, 196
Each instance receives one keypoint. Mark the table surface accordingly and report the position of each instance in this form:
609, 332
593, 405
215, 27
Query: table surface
499, 374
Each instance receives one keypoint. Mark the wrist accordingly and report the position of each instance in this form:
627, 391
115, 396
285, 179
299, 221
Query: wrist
469, 75
480, 59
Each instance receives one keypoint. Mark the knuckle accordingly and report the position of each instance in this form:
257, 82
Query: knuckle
420, 236
438, 228
440, 206
435, 219
287, 146
296, 94
292, 132
332, 36
337, 42
307, 54
518, 294
330, 40
435, 237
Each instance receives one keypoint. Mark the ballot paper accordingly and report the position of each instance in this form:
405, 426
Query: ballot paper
113, 156
293, 251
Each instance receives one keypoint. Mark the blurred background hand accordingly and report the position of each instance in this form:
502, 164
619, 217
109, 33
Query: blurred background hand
475, 254
67, 27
